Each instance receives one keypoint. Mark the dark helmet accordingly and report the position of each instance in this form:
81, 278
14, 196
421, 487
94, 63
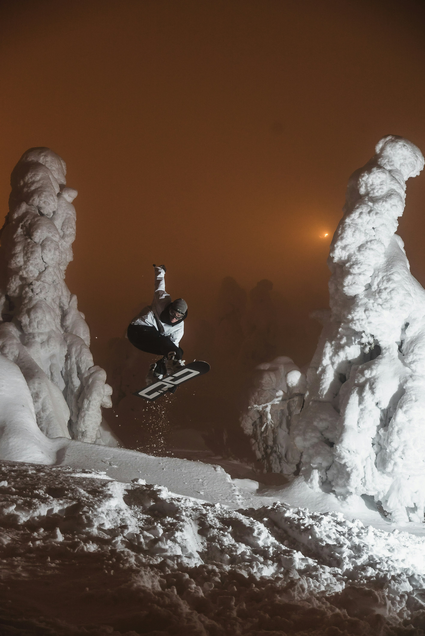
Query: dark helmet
179, 305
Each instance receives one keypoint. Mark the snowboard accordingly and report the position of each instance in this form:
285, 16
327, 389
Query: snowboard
171, 382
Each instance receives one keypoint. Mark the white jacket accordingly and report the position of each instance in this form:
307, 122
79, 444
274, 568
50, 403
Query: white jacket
150, 316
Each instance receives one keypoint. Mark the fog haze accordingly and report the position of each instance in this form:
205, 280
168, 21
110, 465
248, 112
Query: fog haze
214, 137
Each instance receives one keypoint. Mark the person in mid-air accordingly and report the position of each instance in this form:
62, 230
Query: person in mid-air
159, 328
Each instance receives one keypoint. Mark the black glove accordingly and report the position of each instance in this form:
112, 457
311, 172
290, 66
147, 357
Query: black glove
161, 267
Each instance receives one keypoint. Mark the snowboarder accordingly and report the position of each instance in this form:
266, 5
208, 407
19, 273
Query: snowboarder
159, 328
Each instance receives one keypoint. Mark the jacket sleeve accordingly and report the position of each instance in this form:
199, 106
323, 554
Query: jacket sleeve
177, 335
160, 292
146, 318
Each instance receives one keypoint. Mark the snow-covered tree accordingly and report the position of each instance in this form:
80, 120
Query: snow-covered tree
362, 428
41, 329
275, 398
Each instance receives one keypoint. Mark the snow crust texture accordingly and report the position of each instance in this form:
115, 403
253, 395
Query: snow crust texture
361, 428
83, 554
41, 330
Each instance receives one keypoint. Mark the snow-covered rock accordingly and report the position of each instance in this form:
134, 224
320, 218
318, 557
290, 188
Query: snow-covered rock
41, 329
361, 428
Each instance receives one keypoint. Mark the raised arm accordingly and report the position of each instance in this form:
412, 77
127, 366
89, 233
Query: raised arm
160, 282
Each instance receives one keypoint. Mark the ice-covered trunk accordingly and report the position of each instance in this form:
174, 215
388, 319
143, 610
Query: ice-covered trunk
362, 427
42, 330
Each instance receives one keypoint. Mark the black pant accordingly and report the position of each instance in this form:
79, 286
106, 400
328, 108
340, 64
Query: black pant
150, 340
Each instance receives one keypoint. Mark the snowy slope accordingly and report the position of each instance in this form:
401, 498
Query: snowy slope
212, 483
22, 440
99, 544
84, 554
99, 540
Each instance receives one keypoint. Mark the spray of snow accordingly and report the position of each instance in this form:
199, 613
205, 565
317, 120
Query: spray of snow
42, 331
361, 428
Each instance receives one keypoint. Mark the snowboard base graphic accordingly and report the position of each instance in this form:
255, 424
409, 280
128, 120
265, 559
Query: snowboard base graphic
170, 382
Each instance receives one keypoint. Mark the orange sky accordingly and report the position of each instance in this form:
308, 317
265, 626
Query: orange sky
216, 137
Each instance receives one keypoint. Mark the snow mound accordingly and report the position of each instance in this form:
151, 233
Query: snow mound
41, 329
158, 563
360, 430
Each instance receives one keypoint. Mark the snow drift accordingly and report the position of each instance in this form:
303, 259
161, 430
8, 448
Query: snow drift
361, 427
41, 329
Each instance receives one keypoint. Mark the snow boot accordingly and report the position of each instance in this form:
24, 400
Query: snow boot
157, 370
171, 364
